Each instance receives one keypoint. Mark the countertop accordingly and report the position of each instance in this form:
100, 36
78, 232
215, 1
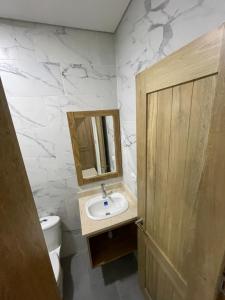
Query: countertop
92, 227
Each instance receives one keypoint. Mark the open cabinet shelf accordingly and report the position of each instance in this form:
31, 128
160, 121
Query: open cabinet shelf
111, 245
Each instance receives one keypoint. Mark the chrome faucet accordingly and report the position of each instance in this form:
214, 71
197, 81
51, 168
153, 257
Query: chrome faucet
107, 199
104, 193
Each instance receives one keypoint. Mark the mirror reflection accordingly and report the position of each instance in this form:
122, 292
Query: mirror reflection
96, 145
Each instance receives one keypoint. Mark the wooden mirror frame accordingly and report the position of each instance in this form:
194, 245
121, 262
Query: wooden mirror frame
74, 139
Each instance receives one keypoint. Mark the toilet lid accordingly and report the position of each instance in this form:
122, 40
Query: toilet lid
55, 265
49, 221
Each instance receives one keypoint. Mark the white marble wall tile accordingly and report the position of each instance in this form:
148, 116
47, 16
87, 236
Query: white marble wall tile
30, 79
8, 45
128, 140
96, 79
46, 72
56, 45
57, 197
24, 40
73, 46
16, 40
35, 144
126, 98
149, 31
82, 101
37, 171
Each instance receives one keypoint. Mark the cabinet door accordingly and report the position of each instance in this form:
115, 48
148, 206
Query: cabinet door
180, 140
25, 271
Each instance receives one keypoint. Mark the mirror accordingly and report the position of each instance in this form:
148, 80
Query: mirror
95, 137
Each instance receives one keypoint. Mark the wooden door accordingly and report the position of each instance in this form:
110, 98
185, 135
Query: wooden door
86, 143
25, 269
181, 172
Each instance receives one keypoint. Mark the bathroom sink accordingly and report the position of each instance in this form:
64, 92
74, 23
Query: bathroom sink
100, 207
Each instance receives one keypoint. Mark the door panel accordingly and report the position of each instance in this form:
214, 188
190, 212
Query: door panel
150, 221
200, 118
177, 133
164, 108
157, 280
25, 270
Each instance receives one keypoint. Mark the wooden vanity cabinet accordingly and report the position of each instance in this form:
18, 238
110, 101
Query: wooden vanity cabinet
112, 244
111, 238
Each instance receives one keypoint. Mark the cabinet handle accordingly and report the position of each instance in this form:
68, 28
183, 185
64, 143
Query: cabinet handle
140, 223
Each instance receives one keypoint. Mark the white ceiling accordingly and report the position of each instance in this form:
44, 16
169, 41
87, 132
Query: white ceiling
100, 15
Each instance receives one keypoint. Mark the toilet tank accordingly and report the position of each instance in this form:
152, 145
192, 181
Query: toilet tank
51, 227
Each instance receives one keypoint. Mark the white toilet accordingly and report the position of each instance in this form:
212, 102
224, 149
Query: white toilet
53, 237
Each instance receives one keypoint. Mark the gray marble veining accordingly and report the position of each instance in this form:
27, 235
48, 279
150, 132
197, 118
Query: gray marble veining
47, 71
149, 31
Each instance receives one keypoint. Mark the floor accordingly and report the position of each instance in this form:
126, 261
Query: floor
114, 281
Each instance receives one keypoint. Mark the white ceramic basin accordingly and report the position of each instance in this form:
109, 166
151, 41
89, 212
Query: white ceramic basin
100, 208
